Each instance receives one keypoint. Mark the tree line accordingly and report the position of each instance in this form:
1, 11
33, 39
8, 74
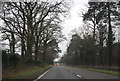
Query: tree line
33, 29
95, 43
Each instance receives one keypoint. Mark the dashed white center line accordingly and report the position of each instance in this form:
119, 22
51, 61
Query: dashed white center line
79, 76
71, 72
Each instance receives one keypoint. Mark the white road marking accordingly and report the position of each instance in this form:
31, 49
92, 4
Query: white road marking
41, 76
79, 76
71, 71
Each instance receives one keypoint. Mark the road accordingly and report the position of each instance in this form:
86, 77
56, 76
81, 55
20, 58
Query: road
64, 72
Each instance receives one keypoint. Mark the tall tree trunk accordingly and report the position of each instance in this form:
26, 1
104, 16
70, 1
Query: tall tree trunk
93, 55
101, 38
29, 47
23, 49
36, 47
12, 43
44, 53
110, 38
30, 34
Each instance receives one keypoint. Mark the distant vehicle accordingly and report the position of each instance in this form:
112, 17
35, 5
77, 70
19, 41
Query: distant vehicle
56, 64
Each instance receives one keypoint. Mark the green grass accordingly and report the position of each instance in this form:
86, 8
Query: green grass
115, 73
105, 71
29, 74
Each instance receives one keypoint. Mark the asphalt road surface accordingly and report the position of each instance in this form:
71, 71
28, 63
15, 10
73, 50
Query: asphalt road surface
64, 72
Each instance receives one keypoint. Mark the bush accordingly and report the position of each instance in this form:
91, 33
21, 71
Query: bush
28, 61
32, 62
37, 62
4, 58
14, 59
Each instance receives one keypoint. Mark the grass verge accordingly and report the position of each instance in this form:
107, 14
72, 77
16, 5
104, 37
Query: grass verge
115, 73
28, 74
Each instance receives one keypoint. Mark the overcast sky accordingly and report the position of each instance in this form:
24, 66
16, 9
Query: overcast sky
74, 21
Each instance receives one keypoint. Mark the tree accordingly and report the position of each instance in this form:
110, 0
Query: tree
104, 12
36, 24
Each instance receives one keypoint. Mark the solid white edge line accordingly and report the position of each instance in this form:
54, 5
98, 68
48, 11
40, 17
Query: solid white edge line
41, 76
79, 76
